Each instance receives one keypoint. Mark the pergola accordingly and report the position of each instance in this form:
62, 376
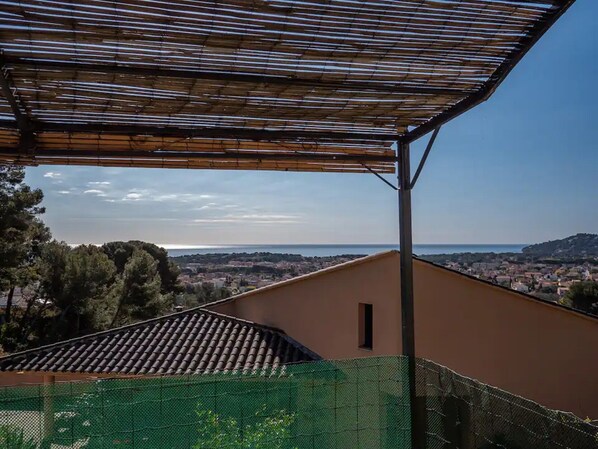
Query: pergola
292, 85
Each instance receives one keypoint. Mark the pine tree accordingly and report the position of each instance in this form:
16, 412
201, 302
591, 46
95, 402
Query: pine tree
21, 231
140, 296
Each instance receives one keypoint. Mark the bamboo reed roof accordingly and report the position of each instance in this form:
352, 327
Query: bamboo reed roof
308, 85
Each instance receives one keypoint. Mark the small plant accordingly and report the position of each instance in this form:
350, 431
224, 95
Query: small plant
219, 432
12, 437
81, 422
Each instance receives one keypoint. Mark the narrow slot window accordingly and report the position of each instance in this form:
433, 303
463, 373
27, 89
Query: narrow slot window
366, 326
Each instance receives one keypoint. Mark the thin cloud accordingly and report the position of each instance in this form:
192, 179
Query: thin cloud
152, 196
99, 183
94, 192
216, 207
133, 196
52, 175
136, 195
252, 218
180, 197
207, 206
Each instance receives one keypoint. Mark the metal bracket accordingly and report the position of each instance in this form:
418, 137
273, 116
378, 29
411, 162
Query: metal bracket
27, 137
380, 177
425, 156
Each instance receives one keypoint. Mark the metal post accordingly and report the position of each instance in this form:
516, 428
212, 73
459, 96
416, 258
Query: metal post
48, 404
406, 269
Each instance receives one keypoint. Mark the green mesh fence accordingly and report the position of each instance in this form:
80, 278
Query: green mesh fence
338, 404
459, 412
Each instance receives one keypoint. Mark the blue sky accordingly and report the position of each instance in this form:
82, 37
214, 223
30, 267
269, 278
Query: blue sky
521, 168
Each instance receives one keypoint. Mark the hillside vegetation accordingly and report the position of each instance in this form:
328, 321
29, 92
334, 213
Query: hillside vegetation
579, 245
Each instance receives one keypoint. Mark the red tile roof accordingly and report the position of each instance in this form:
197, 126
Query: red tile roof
193, 341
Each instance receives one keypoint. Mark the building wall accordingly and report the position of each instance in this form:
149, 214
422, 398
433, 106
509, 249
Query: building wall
537, 350
321, 310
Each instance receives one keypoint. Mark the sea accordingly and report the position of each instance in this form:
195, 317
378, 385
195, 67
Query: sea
337, 250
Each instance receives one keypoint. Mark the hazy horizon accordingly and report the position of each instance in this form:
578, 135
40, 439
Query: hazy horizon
223, 245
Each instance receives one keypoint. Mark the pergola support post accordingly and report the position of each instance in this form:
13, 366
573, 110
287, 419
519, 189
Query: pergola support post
406, 276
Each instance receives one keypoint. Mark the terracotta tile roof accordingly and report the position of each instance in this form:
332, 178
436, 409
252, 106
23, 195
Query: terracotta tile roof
193, 341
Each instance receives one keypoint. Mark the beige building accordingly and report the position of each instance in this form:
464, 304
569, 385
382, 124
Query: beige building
530, 347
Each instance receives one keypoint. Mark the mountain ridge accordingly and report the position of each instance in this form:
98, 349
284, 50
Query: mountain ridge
582, 244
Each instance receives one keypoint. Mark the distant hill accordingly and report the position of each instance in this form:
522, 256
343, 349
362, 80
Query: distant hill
580, 245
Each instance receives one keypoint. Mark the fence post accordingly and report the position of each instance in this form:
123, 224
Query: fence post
48, 413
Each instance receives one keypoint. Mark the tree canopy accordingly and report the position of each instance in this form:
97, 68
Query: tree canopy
80, 287
121, 252
68, 292
21, 231
80, 291
583, 296
140, 295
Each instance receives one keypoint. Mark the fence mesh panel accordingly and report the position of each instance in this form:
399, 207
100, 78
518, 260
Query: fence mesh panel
359, 403
459, 412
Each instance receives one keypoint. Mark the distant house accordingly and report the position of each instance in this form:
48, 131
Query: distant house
218, 282
503, 280
562, 291
547, 284
18, 301
520, 287
567, 284
494, 334
485, 265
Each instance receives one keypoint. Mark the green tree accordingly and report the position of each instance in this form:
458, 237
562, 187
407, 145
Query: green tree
548, 289
37, 322
51, 268
89, 278
583, 296
196, 295
21, 231
79, 291
140, 294
121, 252
68, 291
77, 283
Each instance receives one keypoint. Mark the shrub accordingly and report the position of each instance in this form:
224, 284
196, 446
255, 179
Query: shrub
12, 437
273, 432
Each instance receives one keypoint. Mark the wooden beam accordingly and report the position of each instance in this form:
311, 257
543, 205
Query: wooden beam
270, 156
221, 133
235, 77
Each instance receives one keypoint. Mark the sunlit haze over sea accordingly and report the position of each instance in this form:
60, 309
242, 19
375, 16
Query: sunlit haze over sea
336, 250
